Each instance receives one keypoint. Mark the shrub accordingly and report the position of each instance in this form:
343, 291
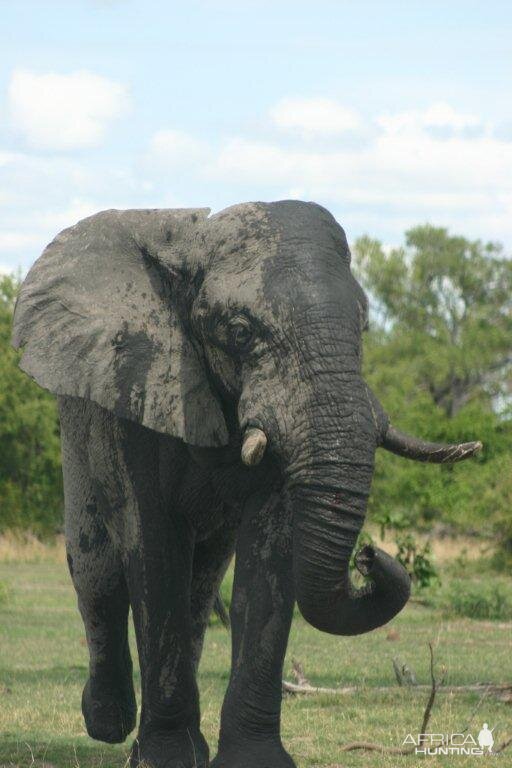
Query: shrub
490, 600
30, 473
417, 560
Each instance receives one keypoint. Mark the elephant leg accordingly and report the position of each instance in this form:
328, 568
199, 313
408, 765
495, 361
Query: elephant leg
108, 699
261, 613
211, 560
156, 544
158, 576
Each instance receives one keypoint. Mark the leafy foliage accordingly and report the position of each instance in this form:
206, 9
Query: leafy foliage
447, 303
439, 356
479, 600
30, 474
417, 560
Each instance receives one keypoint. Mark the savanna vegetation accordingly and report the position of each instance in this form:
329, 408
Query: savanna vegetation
30, 474
438, 354
43, 667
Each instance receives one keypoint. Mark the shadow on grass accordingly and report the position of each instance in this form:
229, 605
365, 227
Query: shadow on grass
61, 754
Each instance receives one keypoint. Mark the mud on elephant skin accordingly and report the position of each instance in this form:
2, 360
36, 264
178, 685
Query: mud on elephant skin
208, 371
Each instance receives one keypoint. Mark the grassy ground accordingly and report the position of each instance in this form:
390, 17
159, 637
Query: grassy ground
43, 666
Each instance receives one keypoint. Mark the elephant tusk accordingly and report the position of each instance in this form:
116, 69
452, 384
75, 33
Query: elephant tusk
420, 450
253, 447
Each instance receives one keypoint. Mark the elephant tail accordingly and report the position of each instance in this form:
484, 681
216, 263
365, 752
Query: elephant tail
221, 611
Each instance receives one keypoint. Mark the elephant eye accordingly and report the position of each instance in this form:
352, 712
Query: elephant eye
240, 333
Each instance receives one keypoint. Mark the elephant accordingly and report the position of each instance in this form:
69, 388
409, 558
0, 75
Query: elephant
207, 370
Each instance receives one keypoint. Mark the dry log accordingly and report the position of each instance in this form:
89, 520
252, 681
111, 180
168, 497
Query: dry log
502, 690
303, 686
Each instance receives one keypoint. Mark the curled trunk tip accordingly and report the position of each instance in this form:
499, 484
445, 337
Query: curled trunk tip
373, 605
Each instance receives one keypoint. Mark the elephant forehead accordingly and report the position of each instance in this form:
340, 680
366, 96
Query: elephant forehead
265, 228
270, 257
236, 283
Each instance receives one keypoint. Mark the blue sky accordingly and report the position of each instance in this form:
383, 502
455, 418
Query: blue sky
388, 113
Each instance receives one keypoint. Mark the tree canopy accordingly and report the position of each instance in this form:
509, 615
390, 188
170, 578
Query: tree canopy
439, 355
30, 474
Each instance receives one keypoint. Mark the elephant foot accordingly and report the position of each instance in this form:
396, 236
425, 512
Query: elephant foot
110, 711
253, 754
186, 749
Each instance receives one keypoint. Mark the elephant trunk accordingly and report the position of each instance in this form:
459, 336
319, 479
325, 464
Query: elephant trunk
328, 490
328, 469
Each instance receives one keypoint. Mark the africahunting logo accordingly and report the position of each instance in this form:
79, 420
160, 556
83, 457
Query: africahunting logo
451, 743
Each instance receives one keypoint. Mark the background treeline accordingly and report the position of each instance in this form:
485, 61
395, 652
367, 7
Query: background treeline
438, 354
30, 474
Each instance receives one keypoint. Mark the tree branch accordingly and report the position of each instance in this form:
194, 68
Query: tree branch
303, 686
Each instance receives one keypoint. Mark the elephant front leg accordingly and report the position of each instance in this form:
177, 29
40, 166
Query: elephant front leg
261, 613
158, 577
156, 545
108, 699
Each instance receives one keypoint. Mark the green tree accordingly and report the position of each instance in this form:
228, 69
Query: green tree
439, 354
30, 473
448, 303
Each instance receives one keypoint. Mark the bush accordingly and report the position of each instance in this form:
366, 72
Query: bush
417, 560
30, 472
490, 600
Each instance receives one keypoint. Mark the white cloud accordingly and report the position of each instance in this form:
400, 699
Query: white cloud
63, 112
257, 161
46, 193
436, 164
402, 162
402, 172
437, 116
174, 148
53, 221
314, 116
29, 238
17, 241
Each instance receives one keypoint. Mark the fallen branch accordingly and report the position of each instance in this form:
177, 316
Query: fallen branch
303, 686
497, 689
298, 673
503, 746
475, 710
370, 747
403, 673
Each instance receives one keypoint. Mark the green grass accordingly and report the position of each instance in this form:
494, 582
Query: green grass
43, 666
3, 593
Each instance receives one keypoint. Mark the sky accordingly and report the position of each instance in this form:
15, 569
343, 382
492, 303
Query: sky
390, 114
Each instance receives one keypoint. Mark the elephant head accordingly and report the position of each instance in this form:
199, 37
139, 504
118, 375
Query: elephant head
176, 320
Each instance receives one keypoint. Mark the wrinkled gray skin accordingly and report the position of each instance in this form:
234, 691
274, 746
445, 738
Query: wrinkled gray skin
167, 334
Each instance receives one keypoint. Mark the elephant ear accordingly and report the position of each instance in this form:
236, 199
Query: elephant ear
98, 319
